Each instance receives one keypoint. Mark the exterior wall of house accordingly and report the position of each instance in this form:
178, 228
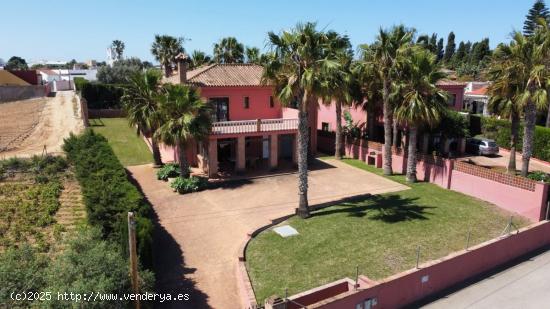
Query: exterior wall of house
327, 114
259, 107
458, 92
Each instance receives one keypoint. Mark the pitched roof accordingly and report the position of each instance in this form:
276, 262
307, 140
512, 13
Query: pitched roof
7, 78
228, 75
480, 91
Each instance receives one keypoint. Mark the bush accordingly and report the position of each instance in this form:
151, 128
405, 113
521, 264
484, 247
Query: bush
108, 194
453, 125
539, 176
79, 83
170, 170
500, 130
187, 185
102, 96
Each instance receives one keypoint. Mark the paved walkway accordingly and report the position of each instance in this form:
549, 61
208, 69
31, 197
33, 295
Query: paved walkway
525, 286
199, 234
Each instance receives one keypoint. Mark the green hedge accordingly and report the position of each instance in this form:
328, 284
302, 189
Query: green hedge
500, 131
108, 194
100, 96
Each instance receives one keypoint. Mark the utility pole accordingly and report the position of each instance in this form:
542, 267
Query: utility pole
133, 255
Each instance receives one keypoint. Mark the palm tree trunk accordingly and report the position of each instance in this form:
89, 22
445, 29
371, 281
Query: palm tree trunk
387, 128
411, 159
528, 136
303, 140
511, 169
370, 123
167, 70
156, 152
338, 139
182, 160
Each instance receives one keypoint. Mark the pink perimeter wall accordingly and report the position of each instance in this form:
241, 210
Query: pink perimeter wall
258, 97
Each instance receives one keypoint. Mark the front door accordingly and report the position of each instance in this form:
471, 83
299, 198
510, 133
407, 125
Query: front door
220, 109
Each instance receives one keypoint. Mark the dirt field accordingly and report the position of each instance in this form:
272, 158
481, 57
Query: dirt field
29, 125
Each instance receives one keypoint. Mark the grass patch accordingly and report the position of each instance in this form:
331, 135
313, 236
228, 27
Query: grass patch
128, 147
380, 234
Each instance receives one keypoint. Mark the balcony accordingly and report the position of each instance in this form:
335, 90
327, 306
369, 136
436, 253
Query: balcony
254, 126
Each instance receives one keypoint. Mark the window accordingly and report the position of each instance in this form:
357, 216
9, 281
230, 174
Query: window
452, 100
271, 102
246, 102
325, 126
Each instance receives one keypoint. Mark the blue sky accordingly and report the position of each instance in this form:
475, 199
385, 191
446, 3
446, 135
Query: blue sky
62, 30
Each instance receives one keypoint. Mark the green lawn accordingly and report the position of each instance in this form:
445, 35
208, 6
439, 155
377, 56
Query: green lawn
128, 147
379, 234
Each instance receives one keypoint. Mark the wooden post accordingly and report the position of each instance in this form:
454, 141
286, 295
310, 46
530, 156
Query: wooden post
133, 255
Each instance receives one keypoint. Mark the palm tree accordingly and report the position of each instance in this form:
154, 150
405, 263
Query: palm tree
386, 56
253, 55
229, 50
185, 118
141, 106
118, 46
295, 68
370, 85
503, 93
199, 58
165, 49
339, 83
523, 63
423, 102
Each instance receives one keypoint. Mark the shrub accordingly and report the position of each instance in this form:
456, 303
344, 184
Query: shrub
99, 96
187, 185
170, 170
108, 194
453, 125
79, 83
539, 176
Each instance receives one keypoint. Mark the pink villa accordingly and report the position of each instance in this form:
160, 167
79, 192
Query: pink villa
250, 131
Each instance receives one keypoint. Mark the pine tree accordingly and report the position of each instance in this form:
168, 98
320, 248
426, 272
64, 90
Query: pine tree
450, 48
539, 10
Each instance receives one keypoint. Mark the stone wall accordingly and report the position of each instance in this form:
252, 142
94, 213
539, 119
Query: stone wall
16, 93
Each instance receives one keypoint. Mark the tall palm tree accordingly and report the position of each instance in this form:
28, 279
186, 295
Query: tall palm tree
386, 56
141, 106
528, 75
338, 82
229, 50
423, 102
253, 55
199, 58
118, 46
503, 96
185, 118
370, 85
165, 48
295, 68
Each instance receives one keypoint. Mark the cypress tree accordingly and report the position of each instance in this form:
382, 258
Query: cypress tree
450, 48
539, 10
440, 49
460, 52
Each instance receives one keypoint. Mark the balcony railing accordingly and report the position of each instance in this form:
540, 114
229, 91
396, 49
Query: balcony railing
253, 126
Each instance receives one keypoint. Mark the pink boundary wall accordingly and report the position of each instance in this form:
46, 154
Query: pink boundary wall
435, 276
509, 194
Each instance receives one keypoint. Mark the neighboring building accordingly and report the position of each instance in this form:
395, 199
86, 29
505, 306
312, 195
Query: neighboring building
9, 79
50, 75
30, 76
251, 130
476, 98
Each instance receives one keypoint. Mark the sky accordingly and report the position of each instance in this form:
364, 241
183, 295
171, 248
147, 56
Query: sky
82, 30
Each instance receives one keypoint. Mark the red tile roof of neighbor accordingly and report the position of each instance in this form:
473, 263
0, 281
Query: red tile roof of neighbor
480, 91
228, 75
448, 82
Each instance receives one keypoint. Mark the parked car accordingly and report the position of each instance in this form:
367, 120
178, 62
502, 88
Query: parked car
481, 146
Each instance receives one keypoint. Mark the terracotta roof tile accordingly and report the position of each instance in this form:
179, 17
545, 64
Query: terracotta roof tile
480, 91
7, 78
228, 75
448, 82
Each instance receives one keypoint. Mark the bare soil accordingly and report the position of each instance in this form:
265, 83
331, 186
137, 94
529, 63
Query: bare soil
28, 127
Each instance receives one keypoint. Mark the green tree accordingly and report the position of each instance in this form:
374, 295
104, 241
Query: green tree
450, 48
185, 118
253, 55
140, 101
199, 58
386, 57
423, 103
16, 63
165, 48
460, 53
539, 10
229, 50
300, 56
121, 70
118, 47
440, 49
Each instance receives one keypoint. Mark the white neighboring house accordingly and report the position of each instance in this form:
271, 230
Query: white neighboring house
63, 79
476, 98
